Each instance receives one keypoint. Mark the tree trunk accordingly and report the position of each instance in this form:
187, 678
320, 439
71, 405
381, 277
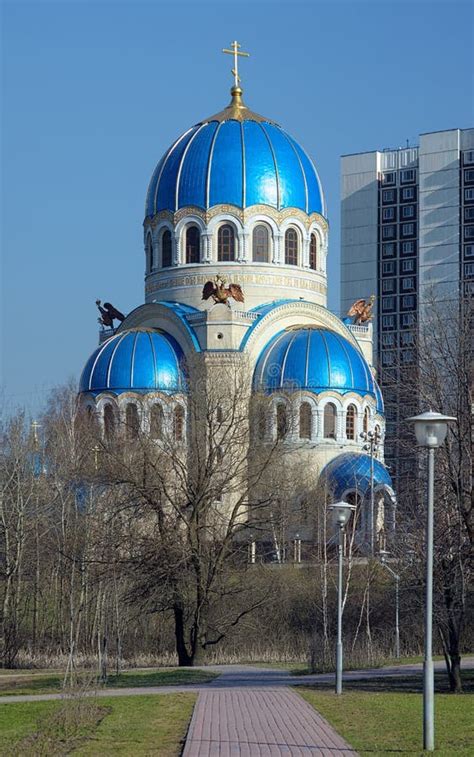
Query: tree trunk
184, 658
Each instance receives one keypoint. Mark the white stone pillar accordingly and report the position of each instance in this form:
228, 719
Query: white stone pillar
305, 251
243, 247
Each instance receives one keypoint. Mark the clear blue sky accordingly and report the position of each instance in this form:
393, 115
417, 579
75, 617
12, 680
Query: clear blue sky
94, 93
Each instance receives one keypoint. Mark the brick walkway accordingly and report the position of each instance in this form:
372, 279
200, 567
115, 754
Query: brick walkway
259, 722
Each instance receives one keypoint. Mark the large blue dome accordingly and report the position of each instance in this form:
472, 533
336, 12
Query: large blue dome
136, 360
314, 359
352, 471
235, 158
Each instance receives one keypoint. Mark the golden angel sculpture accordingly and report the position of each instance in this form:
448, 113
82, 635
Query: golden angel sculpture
219, 292
361, 310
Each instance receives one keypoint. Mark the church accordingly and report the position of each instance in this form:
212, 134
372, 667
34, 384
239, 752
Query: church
235, 252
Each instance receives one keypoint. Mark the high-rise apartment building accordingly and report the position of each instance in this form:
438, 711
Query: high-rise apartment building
407, 236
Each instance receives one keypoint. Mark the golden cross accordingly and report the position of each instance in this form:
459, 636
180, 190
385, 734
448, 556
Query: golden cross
236, 52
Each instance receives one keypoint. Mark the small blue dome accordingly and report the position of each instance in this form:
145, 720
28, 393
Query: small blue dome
314, 359
136, 360
351, 472
235, 158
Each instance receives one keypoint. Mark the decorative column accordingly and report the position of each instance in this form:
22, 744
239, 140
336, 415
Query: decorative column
278, 247
305, 251
243, 247
206, 254
176, 249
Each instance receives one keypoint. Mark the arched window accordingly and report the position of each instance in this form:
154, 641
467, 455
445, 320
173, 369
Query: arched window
282, 422
366, 420
150, 253
132, 421
109, 422
351, 422
166, 249
226, 243
156, 422
260, 244
291, 247
178, 423
313, 252
305, 420
193, 239
330, 415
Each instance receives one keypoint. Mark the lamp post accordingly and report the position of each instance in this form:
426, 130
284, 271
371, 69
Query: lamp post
430, 430
383, 560
372, 441
341, 512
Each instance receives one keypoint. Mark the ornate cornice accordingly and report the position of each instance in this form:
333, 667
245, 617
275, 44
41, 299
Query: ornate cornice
242, 214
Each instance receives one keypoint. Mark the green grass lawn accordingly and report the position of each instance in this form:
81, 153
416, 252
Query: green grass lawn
142, 725
49, 684
381, 716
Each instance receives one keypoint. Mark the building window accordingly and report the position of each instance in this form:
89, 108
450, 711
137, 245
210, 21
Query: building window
132, 421
149, 253
366, 420
408, 248
193, 240
408, 301
305, 420
389, 178
469, 194
407, 320
408, 193
282, 422
388, 196
291, 247
468, 157
389, 250
408, 176
351, 422
226, 243
389, 285
408, 356
388, 214
388, 339
178, 423
408, 211
469, 250
469, 232
388, 322
260, 244
313, 252
469, 270
330, 415
469, 214
469, 176
156, 422
166, 249
389, 232
407, 338
109, 422
408, 266
408, 284
388, 303
388, 267
408, 229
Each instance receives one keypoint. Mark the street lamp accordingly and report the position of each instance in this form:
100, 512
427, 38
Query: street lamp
341, 512
383, 560
430, 430
372, 441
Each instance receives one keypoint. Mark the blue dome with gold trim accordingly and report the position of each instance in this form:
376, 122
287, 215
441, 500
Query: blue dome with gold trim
316, 360
138, 360
351, 471
235, 158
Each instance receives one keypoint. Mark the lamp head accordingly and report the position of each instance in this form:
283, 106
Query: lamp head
431, 428
341, 513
